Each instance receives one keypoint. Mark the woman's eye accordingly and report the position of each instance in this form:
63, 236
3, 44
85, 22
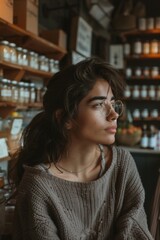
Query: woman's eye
98, 105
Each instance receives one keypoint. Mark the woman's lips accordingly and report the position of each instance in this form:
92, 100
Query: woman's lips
111, 129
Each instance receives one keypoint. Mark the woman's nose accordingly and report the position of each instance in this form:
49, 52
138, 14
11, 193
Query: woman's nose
113, 115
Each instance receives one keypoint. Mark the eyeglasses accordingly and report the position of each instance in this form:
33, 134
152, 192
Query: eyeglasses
106, 107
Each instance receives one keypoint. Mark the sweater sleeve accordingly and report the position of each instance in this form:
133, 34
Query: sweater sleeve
32, 218
131, 222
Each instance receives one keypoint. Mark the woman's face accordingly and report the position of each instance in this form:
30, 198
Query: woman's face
96, 120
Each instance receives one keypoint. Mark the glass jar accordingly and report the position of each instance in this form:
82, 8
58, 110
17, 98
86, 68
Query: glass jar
128, 72
32, 97
154, 71
146, 47
145, 113
138, 72
4, 51
146, 72
14, 91
9, 90
142, 24
4, 90
25, 57
32, 59
126, 49
157, 22
154, 113
13, 53
127, 92
158, 93
136, 113
137, 47
19, 56
36, 60
150, 23
154, 47
42, 63
56, 66
51, 65
21, 93
26, 92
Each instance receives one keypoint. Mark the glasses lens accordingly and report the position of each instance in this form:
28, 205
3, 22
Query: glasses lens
118, 107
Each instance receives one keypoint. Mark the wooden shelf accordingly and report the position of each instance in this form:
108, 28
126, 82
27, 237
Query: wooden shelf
28, 40
142, 78
17, 72
141, 99
137, 32
149, 119
143, 57
140, 150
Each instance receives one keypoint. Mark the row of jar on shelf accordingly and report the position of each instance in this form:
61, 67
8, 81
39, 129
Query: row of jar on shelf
145, 72
145, 114
148, 23
11, 53
151, 92
20, 92
138, 47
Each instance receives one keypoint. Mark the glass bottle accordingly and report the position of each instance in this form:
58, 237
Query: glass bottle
152, 138
144, 138
144, 92
136, 92
152, 92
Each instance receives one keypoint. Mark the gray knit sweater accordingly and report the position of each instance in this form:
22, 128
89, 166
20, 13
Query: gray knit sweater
109, 208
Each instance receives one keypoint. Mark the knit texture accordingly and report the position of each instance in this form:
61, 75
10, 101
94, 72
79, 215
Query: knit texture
109, 208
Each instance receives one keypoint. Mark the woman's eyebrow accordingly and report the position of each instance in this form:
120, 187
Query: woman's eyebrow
99, 98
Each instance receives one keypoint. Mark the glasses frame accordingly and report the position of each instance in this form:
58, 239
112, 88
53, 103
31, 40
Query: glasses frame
109, 106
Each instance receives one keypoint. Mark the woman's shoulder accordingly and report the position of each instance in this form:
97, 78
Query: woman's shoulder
34, 178
122, 157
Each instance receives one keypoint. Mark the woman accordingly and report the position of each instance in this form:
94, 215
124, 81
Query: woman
72, 182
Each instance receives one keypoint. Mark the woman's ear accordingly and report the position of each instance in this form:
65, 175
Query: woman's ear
68, 125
